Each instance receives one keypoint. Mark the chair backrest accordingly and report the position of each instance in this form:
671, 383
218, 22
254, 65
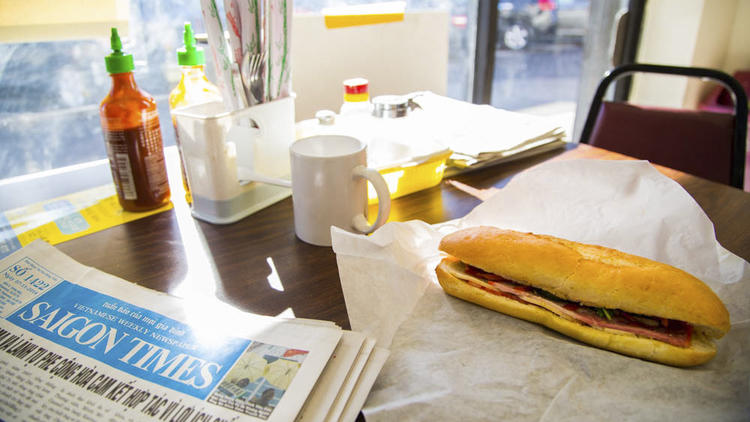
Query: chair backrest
707, 144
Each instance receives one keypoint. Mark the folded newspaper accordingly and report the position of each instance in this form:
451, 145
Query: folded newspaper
481, 135
78, 344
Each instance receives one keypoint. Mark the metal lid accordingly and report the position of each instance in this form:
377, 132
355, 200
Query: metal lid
326, 117
390, 106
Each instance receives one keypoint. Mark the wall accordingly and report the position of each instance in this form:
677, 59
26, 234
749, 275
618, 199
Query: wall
714, 35
738, 54
703, 33
55, 20
397, 58
669, 35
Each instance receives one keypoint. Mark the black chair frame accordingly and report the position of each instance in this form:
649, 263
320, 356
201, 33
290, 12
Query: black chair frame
735, 89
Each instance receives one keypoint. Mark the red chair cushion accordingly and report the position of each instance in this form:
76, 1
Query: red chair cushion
693, 141
720, 100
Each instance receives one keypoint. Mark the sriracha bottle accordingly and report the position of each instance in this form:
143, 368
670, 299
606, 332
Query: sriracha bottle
132, 136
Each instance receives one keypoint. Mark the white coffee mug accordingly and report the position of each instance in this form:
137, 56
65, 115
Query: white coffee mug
329, 188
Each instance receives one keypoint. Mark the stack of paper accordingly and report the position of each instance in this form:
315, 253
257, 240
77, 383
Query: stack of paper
342, 388
89, 344
481, 135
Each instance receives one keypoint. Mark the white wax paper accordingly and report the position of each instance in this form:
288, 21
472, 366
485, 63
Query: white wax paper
452, 360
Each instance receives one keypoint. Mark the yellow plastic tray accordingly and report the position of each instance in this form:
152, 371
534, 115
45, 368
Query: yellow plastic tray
411, 177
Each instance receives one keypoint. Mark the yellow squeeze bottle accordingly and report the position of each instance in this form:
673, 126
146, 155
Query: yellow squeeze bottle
193, 88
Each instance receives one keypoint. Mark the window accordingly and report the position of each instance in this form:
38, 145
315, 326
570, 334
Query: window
50, 90
539, 57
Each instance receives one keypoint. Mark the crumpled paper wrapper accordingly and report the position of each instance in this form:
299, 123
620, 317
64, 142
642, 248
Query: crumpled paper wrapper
453, 360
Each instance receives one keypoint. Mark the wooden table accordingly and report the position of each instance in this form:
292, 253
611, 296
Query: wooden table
173, 252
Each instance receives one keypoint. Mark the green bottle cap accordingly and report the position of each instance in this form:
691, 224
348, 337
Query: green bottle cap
118, 62
190, 55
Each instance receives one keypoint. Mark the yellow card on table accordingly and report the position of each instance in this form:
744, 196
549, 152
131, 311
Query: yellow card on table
67, 217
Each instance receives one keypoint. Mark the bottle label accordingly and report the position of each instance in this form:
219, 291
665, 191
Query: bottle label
136, 159
126, 176
148, 115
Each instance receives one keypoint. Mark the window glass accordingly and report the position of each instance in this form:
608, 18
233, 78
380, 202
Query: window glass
539, 56
50, 91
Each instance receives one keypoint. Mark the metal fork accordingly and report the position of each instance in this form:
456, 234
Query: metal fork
252, 76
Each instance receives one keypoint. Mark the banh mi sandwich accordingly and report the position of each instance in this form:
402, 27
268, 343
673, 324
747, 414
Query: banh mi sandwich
600, 296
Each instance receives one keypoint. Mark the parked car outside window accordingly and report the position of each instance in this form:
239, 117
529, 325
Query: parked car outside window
522, 23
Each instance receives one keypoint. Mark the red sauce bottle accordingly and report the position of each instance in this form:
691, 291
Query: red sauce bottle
130, 123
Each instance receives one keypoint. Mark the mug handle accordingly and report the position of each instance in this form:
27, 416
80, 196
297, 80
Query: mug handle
384, 200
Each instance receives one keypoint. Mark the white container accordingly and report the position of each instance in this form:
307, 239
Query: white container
233, 160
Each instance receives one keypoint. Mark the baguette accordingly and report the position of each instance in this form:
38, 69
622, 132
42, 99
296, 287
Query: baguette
600, 296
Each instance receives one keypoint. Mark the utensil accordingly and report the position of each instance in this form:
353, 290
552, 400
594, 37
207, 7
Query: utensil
278, 21
252, 72
234, 28
233, 99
